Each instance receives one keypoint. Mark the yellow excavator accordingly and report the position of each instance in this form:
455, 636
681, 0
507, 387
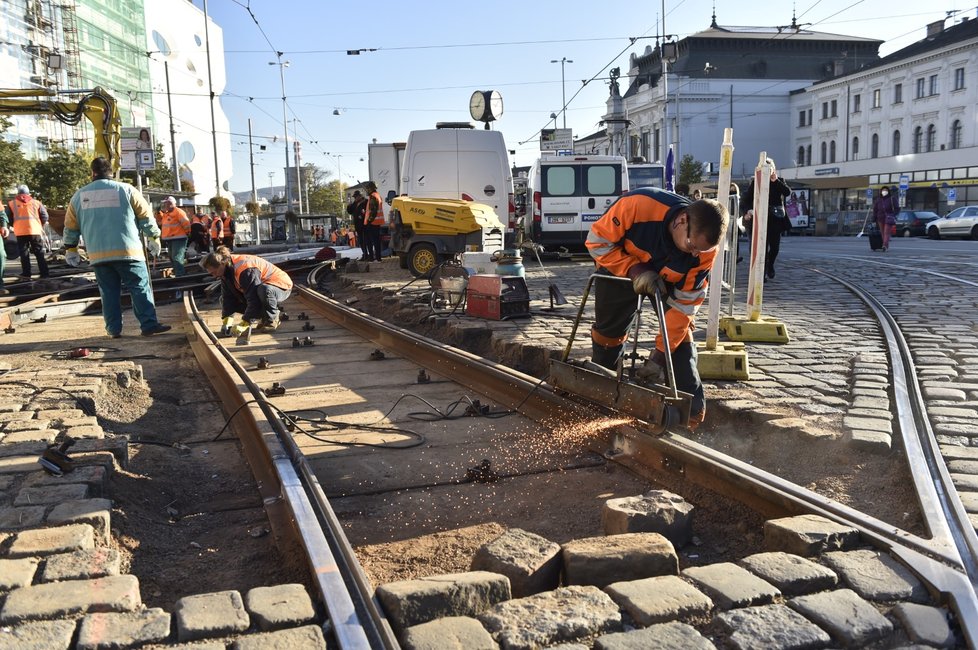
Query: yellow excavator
96, 105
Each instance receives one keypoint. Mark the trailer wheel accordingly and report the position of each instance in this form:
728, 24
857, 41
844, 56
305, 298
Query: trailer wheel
421, 259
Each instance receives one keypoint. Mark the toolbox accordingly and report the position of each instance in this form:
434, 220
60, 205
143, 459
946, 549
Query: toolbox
497, 297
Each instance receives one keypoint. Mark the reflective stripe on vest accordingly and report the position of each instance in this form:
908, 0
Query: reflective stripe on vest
174, 224
217, 230
379, 219
226, 223
269, 273
27, 217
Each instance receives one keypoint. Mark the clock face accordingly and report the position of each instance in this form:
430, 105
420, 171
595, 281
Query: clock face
495, 105
477, 106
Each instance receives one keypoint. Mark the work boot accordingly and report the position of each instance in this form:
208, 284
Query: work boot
159, 328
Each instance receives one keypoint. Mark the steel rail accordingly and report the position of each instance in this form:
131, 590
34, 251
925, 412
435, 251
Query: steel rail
937, 564
938, 274
293, 496
944, 514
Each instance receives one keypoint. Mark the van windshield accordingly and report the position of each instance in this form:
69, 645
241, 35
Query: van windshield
651, 176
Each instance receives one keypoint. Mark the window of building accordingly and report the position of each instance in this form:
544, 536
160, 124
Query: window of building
898, 94
931, 137
958, 78
835, 108
856, 103
656, 143
832, 151
801, 118
896, 143
956, 134
801, 157
874, 146
824, 158
876, 98
809, 116
808, 155
645, 145
932, 85
918, 136
825, 110
920, 88
855, 148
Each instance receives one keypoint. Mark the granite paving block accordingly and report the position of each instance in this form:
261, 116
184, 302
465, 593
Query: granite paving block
37, 635
50, 494
96, 512
656, 511
17, 573
81, 565
600, 561
59, 599
876, 576
808, 535
17, 518
665, 636
411, 602
849, 619
731, 586
660, 599
103, 630
791, 574
924, 624
48, 541
449, 633
280, 606
772, 626
309, 637
210, 615
531, 562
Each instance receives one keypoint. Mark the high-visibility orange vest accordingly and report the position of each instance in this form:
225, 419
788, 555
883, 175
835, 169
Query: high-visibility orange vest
217, 228
27, 217
174, 224
226, 225
270, 274
379, 219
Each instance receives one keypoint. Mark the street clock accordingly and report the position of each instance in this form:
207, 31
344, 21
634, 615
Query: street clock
486, 106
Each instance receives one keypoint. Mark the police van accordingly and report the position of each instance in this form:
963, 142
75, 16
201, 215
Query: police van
569, 193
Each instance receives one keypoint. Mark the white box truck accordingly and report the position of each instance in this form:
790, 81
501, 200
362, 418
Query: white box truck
385, 161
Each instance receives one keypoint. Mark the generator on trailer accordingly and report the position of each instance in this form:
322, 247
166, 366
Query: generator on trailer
426, 232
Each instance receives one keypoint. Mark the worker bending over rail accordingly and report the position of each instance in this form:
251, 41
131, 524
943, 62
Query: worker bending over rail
656, 239
250, 286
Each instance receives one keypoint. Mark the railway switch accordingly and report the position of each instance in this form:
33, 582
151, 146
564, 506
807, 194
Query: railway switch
276, 389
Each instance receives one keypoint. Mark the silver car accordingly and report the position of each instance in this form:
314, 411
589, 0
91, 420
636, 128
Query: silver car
962, 222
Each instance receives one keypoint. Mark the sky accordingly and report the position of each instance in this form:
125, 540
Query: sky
420, 62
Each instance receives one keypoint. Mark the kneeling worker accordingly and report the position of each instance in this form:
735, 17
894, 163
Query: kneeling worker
250, 286
655, 238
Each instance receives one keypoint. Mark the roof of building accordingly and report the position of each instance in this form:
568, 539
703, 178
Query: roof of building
967, 28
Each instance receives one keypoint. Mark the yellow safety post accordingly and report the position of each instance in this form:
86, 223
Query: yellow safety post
755, 327
717, 360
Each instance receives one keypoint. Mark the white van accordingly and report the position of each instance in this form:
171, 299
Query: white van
457, 161
569, 194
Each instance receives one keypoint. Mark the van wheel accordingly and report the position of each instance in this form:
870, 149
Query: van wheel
421, 259
402, 260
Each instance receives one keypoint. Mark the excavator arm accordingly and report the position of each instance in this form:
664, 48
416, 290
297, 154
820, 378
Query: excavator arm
96, 105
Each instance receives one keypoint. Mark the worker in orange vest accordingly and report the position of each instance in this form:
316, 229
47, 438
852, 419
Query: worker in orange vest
217, 231
373, 220
29, 216
175, 228
227, 225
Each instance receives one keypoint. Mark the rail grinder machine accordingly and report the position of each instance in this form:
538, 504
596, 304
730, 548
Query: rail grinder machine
624, 391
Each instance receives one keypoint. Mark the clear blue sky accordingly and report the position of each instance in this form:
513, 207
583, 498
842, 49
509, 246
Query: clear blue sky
430, 57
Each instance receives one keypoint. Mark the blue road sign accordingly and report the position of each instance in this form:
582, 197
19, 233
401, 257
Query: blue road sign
869, 194
952, 196
904, 182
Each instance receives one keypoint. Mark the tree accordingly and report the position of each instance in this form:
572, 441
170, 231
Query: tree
690, 170
56, 178
326, 199
220, 204
13, 165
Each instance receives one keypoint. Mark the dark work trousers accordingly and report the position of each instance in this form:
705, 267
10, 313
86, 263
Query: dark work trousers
32, 244
268, 294
615, 310
361, 237
229, 242
775, 228
375, 249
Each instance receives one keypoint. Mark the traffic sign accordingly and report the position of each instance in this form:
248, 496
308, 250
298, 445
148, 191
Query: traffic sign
904, 182
869, 194
952, 196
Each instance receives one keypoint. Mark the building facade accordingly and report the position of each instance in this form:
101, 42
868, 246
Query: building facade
909, 118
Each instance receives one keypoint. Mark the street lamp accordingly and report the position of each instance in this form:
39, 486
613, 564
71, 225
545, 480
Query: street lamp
282, 65
563, 88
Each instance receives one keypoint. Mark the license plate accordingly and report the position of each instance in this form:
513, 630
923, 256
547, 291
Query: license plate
560, 219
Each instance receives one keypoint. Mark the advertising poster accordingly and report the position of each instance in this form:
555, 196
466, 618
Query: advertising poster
137, 148
796, 205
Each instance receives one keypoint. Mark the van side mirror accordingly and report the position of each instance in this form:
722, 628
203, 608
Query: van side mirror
390, 196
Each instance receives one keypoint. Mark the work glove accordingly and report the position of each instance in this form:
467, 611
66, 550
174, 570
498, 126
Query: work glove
226, 325
653, 371
242, 327
72, 258
645, 279
154, 247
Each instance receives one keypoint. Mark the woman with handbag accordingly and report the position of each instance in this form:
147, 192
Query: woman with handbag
884, 214
777, 216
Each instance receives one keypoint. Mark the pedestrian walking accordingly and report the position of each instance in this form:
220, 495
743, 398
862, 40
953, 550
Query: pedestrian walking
656, 239
175, 228
777, 216
250, 286
356, 209
228, 230
373, 221
29, 216
110, 216
217, 230
884, 214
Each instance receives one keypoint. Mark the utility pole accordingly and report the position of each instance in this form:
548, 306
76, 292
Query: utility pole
210, 87
254, 192
173, 131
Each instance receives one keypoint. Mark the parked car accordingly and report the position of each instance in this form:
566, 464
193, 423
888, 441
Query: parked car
913, 223
961, 222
